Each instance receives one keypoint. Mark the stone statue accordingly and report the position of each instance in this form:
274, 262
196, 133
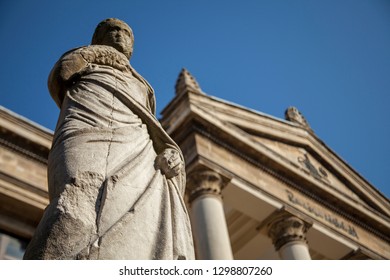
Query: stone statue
116, 179
292, 114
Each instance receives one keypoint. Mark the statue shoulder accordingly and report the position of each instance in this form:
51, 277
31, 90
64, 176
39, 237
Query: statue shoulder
73, 63
105, 55
66, 68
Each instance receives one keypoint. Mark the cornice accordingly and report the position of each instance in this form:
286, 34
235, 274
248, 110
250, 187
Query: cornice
28, 153
306, 191
23, 191
25, 128
201, 106
292, 133
24, 137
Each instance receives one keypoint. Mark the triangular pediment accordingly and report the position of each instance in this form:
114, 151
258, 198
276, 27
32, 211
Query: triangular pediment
295, 145
271, 166
291, 147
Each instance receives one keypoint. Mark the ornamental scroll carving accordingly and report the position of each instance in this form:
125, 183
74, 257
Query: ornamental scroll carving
318, 173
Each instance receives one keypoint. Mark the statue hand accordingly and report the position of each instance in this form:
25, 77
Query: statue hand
169, 162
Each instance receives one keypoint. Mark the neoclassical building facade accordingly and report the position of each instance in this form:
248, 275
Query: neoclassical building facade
258, 187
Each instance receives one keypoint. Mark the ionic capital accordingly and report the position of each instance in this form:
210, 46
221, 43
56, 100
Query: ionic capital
205, 182
287, 229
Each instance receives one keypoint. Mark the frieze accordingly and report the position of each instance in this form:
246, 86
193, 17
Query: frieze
318, 213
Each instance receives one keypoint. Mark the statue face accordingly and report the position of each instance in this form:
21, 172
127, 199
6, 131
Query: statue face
118, 37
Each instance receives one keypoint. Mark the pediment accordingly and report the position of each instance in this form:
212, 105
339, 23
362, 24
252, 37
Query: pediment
270, 166
292, 147
309, 164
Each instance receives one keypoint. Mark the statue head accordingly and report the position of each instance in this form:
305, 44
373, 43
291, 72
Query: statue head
115, 33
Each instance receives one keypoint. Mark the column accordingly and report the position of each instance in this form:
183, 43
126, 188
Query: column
288, 234
207, 216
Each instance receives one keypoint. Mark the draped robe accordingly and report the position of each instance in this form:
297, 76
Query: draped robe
108, 198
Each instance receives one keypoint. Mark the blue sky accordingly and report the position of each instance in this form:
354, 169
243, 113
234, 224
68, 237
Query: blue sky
330, 59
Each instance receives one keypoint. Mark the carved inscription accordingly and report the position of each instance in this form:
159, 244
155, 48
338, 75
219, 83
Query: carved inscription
318, 213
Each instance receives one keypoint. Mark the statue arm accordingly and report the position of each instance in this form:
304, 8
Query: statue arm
63, 74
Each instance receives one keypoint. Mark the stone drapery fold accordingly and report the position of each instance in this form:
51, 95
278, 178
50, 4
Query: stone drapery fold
108, 199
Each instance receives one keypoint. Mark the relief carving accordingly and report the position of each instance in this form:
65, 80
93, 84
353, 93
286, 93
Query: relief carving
318, 173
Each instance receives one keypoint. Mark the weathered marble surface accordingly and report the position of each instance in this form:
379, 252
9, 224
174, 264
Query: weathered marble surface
116, 179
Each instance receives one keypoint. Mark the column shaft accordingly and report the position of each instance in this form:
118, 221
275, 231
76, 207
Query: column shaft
210, 229
294, 251
207, 216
